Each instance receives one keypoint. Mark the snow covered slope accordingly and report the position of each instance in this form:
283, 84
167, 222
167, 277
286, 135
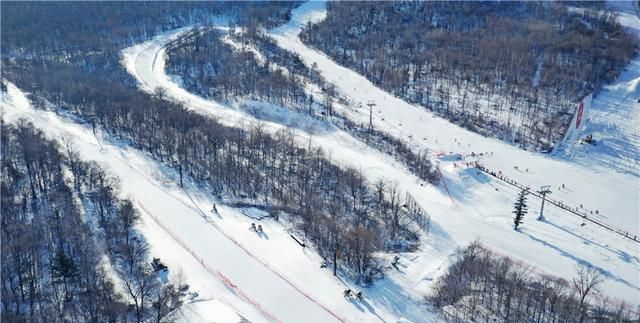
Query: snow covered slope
482, 207
614, 194
218, 256
614, 119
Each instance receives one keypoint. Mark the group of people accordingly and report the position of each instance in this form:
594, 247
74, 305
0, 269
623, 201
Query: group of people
348, 293
254, 228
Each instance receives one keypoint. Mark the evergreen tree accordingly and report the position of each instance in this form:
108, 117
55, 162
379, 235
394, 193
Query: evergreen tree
63, 267
520, 209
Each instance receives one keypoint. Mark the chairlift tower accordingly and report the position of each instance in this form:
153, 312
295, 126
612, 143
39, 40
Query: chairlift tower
544, 190
371, 104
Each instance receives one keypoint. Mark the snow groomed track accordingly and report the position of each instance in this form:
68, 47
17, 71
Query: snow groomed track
483, 207
213, 263
272, 287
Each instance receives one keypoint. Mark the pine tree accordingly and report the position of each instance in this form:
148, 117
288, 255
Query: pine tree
520, 209
64, 267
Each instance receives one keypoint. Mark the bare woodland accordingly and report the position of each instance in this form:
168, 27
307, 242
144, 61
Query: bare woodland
482, 286
514, 70
68, 236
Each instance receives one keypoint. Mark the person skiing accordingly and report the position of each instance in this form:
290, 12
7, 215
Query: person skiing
253, 227
259, 227
347, 293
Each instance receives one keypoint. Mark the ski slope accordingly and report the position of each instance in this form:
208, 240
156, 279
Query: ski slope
614, 117
209, 251
481, 207
613, 193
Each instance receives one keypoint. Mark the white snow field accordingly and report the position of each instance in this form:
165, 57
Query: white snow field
481, 206
614, 117
217, 255
239, 274
619, 207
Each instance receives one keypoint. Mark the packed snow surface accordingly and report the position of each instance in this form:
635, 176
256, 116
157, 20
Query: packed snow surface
270, 278
480, 206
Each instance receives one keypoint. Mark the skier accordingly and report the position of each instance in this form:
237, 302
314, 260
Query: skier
253, 227
259, 228
359, 295
214, 209
347, 293
395, 262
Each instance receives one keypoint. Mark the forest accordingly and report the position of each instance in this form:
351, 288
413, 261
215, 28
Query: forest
205, 64
513, 70
483, 286
333, 206
67, 237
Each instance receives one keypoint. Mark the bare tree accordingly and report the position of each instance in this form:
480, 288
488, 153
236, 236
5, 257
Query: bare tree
589, 277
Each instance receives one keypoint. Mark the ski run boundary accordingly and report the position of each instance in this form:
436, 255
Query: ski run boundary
214, 272
226, 281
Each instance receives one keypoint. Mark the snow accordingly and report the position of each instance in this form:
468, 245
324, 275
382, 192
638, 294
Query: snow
482, 207
536, 77
239, 273
182, 234
614, 117
409, 122
206, 311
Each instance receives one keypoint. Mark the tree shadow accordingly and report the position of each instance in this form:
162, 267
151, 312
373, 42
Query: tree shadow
581, 261
621, 254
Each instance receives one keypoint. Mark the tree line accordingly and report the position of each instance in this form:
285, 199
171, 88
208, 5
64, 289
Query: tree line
68, 239
211, 68
82, 29
514, 70
208, 66
482, 286
335, 207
